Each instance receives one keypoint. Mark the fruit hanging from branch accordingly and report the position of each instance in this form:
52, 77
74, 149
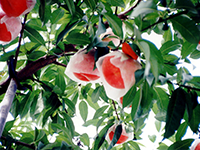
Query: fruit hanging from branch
124, 137
15, 8
117, 71
10, 27
81, 67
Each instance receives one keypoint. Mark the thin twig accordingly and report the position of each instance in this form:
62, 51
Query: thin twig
31, 146
20, 39
60, 64
113, 102
162, 20
123, 15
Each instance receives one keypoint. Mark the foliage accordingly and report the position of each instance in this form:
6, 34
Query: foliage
55, 29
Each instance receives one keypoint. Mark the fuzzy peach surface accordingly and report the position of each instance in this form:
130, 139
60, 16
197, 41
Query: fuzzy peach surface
127, 67
15, 8
81, 67
10, 28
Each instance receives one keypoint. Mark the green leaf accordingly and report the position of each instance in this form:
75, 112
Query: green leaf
129, 96
117, 134
36, 24
187, 28
181, 131
70, 104
187, 48
44, 11
68, 27
181, 145
83, 108
27, 101
144, 7
69, 123
85, 139
64, 130
101, 27
34, 35
60, 82
195, 54
95, 94
5, 56
152, 138
158, 125
134, 145
136, 103
91, 3
175, 111
162, 146
100, 111
115, 23
101, 136
162, 98
194, 122
57, 15
91, 122
75, 37
36, 55
116, 3
71, 6
169, 46
186, 4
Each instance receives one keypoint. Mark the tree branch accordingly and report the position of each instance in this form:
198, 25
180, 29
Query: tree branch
123, 15
162, 20
31, 146
113, 102
33, 67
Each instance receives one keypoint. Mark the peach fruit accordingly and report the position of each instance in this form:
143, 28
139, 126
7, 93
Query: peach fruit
81, 67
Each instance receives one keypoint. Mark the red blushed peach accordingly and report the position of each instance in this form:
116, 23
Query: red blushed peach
195, 145
10, 27
117, 71
112, 73
81, 67
124, 135
15, 8
110, 36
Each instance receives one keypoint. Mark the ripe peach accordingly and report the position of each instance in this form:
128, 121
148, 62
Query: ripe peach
15, 8
117, 71
124, 135
195, 145
110, 36
10, 27
81, 67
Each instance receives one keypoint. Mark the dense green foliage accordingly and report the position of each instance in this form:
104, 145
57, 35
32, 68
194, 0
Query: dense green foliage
55, 29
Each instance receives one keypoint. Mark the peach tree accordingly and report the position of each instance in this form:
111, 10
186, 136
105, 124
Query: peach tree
64, 57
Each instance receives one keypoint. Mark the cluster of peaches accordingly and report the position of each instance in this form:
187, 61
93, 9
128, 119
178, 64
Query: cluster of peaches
114, 70
10, 23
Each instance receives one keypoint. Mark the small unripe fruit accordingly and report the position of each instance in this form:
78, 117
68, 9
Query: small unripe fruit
81, 67
10, 27
15, 8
